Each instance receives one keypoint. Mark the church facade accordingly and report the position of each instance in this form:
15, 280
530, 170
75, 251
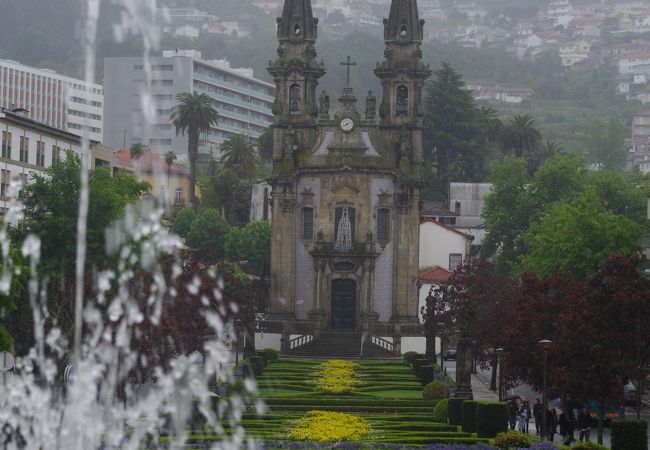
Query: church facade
346, 184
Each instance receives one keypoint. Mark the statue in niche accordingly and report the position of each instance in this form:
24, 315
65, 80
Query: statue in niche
324, 104
404, 148
294, 99
290, 141
371, 106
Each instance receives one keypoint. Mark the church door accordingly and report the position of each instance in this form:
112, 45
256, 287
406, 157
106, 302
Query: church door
344, 304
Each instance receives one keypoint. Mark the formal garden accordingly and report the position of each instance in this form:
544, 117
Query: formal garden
312, 404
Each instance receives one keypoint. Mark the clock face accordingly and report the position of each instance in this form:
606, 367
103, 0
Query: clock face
347, 124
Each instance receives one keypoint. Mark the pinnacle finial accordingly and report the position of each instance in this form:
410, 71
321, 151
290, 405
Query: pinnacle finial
297, 21
404, 24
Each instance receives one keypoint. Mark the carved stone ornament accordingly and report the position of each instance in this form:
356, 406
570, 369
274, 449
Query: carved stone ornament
346, 180
324, 104
371, 106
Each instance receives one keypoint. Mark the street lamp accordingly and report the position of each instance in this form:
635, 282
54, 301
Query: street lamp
545, 344
498, 368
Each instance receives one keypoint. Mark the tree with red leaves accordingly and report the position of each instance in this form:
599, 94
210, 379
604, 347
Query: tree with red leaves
596, 326
477, 297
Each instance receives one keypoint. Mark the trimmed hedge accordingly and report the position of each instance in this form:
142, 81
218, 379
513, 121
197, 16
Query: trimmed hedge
630, 435
434, 390
491, 418
455, 410
512, 439
441, 411
419, 363
425, 373
468, 416
409, 357
588, 446
271, 355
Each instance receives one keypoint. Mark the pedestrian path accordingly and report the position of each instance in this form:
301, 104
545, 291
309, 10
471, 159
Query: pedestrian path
480, 386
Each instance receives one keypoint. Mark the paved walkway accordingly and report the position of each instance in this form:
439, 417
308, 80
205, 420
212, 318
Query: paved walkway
480, 385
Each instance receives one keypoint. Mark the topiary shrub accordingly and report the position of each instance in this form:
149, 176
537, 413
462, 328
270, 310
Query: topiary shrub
257, 362
587, 446
249, 370
425, 373
455, 405
434, 390
630, 435
419, 363
468, 416
236, 387
491, 418
511, 439
271, 354
409, 357
262, 355
441, 411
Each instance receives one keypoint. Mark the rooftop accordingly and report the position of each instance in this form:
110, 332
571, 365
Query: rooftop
435, 275
149, 162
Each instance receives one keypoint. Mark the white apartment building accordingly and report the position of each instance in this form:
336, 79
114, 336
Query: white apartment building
243, 102
28, 147
62, 102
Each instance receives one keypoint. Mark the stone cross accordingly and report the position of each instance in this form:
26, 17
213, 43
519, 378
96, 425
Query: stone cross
348, 64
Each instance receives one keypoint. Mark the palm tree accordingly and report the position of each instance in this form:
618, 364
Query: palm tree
265, 145
170, 157
238, 153
136, 151
492, 123
520, 135
546, 150
194, 114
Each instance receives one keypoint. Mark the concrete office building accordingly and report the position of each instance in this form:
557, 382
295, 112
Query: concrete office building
243, 102
52, 99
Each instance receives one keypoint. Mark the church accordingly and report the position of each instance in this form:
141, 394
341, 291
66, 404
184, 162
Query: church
346, 188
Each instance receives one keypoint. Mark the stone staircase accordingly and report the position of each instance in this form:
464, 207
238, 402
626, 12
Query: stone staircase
340, 345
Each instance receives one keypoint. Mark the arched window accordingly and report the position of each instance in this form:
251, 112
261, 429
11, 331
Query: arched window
402, 101
294, 99
308, 223
383, 224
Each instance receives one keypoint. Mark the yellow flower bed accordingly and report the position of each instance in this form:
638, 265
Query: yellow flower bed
337, 376
327, 426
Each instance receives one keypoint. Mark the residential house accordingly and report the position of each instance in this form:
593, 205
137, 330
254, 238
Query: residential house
560, 12
634, 62
494, 93
169, 183
468, 199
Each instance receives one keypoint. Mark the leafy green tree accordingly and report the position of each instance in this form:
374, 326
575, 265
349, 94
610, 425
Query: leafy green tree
251, 243
517, 200
452, 130
576, 237
604, 144
183, 222
51, 205
520, 135
229, 193
194, 114
12, 300
207, 235
624, 194
239, 154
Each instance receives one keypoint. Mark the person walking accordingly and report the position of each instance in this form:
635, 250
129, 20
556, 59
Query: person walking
528, 414
584, 424
551, 423
522, 418
537, 414
512, 414
565, 427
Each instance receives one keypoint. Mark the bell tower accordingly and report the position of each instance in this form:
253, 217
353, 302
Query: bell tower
296, 73
402, 74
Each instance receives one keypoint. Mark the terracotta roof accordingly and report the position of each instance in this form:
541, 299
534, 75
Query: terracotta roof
452, 229
148, 162
435, 275
430, 208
